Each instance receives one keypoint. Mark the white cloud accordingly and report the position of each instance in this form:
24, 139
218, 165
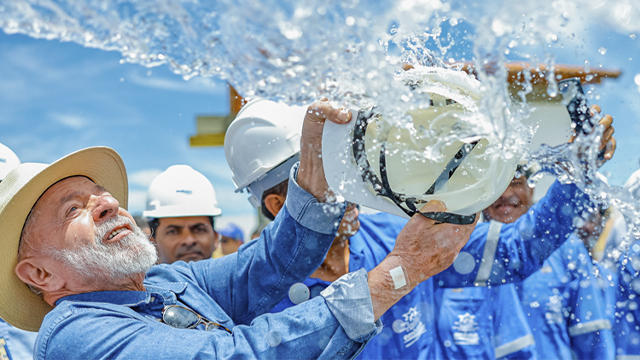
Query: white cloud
137, 201
143, 178
71, 121
176, 83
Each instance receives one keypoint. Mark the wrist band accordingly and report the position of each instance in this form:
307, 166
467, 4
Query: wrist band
397, 275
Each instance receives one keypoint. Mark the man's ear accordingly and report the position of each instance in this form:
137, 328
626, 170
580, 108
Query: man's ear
34, 272
274, 203
216, 239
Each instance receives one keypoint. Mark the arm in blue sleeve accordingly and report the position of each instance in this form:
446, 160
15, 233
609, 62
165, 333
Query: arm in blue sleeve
253, 280
306, 331
336, 325
520, 248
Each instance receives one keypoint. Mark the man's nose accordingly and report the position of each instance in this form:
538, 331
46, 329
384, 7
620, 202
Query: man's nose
506, 194
105, 206
188, 239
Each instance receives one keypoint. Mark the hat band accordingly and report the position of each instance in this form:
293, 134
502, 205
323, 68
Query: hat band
381, 185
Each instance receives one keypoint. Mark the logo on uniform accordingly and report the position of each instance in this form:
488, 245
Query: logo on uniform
554, 310
466, 330
412, 325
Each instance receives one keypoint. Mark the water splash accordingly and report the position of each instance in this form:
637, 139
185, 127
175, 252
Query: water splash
349, 51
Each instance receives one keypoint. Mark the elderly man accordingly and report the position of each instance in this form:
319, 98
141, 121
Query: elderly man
82, 253
181, 205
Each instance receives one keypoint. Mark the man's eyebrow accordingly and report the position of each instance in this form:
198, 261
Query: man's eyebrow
69, 197
75, 194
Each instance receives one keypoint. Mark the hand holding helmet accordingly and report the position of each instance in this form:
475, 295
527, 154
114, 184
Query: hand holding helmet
311, 172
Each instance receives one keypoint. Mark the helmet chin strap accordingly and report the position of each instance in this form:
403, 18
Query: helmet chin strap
383, 188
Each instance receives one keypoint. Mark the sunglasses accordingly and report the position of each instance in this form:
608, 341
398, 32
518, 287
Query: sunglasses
184, 318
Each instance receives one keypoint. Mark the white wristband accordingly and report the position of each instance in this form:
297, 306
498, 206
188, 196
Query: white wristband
397, 275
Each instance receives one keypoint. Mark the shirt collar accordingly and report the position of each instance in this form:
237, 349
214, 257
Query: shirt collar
130, 298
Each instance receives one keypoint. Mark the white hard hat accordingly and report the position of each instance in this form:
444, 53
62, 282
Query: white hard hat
181, 191
262, 144
8, 161
632, 185
369, 162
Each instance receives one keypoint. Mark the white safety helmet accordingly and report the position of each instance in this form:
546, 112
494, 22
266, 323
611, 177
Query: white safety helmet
8, 161
632, 185
262, 144
180, 191
397, 168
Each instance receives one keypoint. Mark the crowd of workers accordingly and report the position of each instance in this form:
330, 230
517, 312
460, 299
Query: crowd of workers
552, 280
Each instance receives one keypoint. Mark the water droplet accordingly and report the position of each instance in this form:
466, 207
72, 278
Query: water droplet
274, 338
350, 21
535, 304
464, 263
298, 293
602, 50
398, 326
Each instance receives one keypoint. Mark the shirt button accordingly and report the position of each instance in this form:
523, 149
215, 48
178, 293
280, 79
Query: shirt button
298, 293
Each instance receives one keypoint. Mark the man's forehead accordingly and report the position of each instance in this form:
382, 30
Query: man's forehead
184, 221
67, 188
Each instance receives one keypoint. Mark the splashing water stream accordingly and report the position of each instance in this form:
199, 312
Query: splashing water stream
350, 51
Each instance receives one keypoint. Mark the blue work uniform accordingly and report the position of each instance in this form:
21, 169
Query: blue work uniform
512, 253
566, 308
627, 322
482, 323
233, 291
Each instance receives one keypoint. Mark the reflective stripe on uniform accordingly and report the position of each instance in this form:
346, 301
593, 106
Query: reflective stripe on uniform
515, 345
628, 357
591, 326
489, 254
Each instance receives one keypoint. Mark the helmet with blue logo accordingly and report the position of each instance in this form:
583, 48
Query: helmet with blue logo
181, 191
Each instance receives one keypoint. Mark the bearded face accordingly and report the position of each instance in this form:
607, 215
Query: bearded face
79, 239
97, 261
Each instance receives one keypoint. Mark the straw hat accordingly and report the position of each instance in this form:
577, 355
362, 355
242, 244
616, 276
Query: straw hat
19, 191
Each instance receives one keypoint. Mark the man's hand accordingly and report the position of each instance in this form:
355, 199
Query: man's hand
422, 250
608, 142
311, 172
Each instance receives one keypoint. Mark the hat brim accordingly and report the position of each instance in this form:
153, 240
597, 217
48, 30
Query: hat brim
19, 306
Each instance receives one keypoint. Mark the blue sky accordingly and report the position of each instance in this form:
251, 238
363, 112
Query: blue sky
56, 98
59, 97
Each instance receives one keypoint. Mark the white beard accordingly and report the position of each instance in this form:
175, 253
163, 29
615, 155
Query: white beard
100, 262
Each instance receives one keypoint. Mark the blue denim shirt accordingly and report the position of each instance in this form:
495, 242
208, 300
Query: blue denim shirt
15, 344
236, 291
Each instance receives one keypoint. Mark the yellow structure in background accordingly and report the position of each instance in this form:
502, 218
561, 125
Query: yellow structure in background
210, 130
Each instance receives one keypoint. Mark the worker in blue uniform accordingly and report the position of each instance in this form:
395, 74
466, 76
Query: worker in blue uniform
564, 305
